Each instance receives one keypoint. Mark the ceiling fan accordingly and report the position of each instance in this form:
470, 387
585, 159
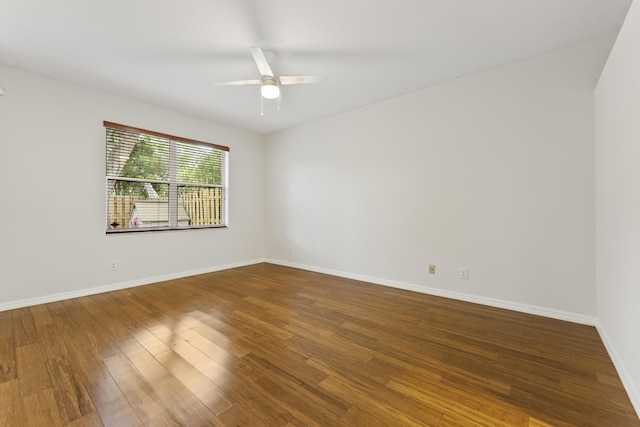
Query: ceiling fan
269, 83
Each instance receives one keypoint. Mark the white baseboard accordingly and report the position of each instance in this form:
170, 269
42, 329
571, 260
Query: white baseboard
123, 285
627, 382
508, 305
524, 308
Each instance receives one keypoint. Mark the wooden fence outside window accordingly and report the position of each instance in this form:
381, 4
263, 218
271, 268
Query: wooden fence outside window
204, 207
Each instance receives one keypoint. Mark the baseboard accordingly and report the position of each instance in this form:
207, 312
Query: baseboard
524, 308
122, 285
627, 382
508, 305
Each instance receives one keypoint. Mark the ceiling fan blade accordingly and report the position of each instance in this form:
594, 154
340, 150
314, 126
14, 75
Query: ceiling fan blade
297, 80
261, 61
239, 83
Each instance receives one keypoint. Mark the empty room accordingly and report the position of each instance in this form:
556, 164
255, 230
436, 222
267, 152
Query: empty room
320, 213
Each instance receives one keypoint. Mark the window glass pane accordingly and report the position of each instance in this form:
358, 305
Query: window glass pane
136, 155
202, 205
126, 210
199, 164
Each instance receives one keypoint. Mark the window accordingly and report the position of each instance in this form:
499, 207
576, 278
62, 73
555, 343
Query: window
162, 182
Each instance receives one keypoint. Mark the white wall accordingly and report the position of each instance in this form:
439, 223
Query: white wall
493, 172
617, 136
52, 214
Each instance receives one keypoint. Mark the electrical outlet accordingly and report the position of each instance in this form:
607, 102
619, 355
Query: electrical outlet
432, 269
113, 266
463, 273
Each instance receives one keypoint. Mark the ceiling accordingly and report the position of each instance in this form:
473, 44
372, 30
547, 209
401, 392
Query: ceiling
169, 53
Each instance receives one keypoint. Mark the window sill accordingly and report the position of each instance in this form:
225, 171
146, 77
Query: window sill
152, 229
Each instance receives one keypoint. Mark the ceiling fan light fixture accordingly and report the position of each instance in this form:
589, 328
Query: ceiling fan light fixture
270, 88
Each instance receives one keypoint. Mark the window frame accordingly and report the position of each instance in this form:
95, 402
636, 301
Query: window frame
173, 198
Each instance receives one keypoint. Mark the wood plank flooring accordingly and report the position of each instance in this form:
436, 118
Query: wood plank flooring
267, 345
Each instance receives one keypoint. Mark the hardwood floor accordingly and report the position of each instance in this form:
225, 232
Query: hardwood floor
267, 345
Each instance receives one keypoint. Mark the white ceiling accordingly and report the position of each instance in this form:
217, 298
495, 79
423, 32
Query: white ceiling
169, 53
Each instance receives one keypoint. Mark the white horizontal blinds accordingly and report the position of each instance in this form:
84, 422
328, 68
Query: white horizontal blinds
137, 180
201, 164
131, 154
201, 175
159, 181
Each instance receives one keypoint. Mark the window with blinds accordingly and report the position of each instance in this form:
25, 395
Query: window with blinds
156, 181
